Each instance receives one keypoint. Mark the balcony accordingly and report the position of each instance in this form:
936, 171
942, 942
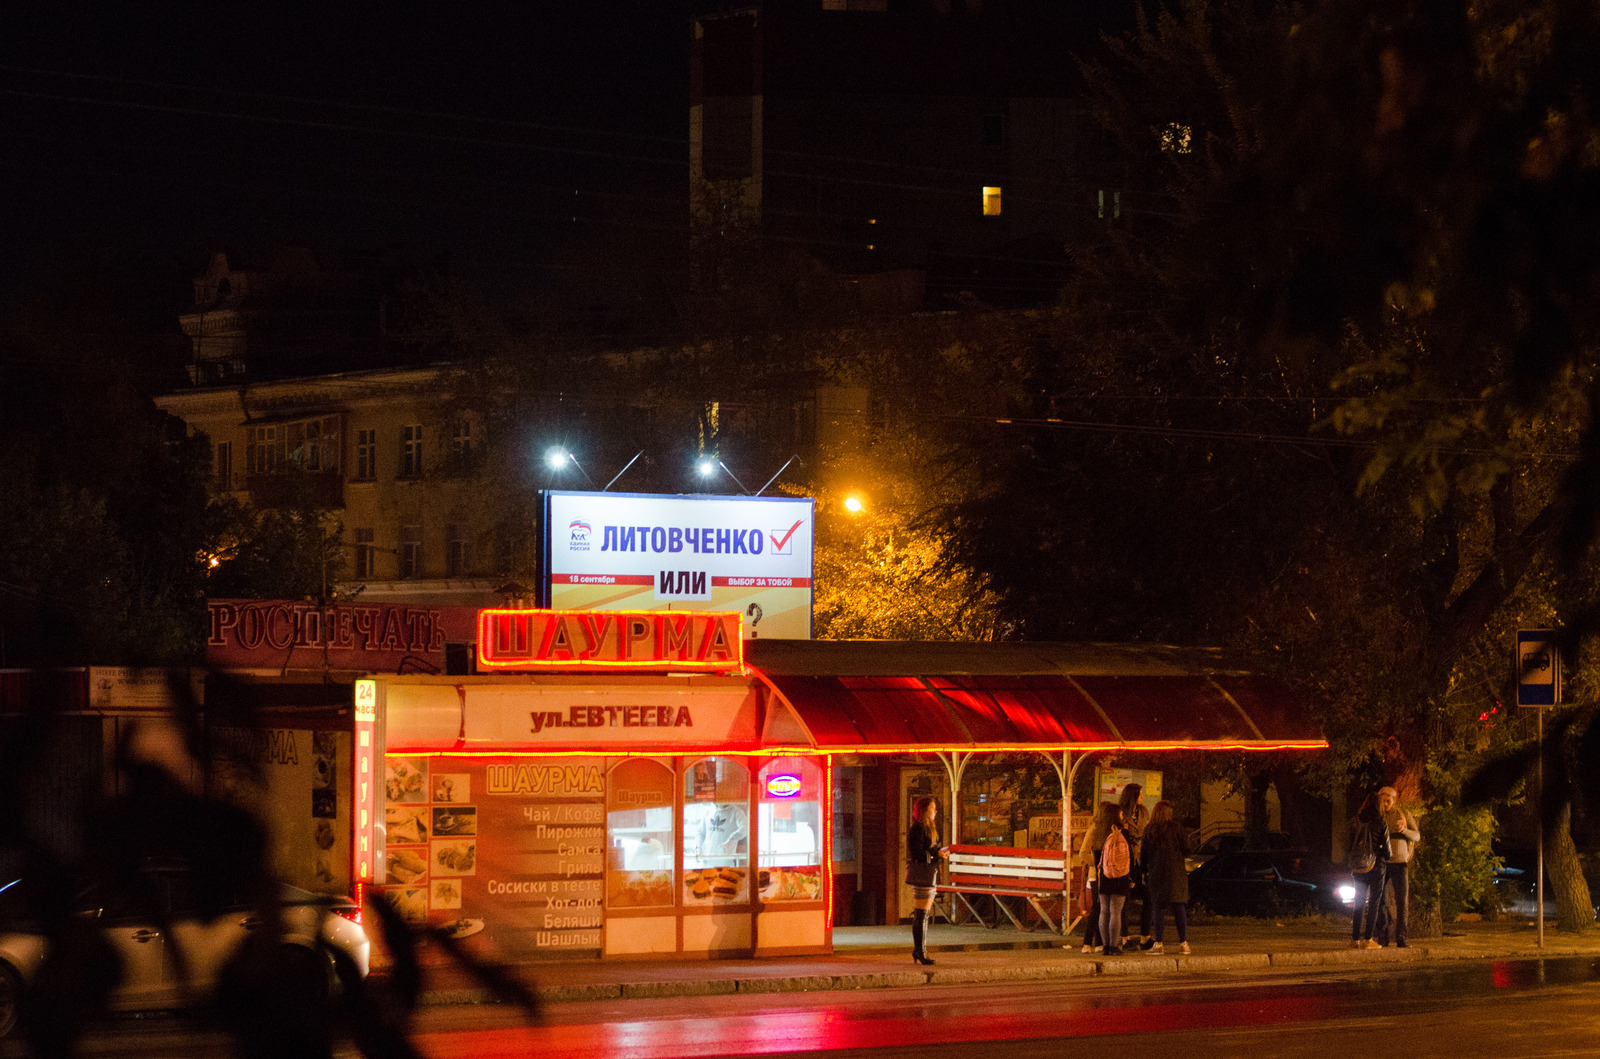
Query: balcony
323, 491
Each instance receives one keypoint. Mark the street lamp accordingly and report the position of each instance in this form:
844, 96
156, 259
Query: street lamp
707, 466
853, 505
558, 458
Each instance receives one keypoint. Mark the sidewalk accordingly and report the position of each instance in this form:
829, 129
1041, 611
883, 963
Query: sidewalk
880, 958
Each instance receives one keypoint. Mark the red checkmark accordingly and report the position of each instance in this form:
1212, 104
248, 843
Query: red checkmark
777, 544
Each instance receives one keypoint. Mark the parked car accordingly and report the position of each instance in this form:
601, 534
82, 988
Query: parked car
1262, 883
315, 928
1208, 846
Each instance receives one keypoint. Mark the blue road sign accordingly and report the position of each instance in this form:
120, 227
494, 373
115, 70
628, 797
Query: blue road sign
1538, 668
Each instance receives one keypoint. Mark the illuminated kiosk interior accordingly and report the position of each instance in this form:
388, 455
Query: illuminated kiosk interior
636, 785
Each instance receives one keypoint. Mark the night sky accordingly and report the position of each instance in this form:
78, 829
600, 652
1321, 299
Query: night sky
139, 138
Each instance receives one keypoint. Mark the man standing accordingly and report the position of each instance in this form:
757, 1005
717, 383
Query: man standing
1403, 837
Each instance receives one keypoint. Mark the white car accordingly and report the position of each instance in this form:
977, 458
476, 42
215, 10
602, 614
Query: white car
315, 927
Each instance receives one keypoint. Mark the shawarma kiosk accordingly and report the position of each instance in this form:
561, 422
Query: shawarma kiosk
616, 785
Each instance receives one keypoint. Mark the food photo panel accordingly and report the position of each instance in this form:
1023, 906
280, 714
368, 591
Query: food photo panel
454, 821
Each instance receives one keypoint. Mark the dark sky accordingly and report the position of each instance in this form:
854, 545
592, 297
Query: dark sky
137, 138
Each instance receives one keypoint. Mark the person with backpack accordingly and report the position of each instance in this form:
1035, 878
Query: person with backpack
1166, 874
1116, 880
1369, 850
1089, 858
1135, 818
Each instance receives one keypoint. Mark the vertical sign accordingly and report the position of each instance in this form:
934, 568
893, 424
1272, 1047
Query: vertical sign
1538, 668
364, 788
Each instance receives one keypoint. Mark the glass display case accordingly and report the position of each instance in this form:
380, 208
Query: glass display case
789, 803
639, 838
716, 832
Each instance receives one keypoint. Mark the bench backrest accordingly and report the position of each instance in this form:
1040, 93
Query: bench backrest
1005, 868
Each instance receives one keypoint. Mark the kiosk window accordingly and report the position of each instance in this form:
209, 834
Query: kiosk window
716, 832
790, 802
639, 847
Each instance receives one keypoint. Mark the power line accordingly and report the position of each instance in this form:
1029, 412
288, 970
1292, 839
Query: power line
346, 105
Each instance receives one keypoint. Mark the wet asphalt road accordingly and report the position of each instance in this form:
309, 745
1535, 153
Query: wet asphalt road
1506, 1010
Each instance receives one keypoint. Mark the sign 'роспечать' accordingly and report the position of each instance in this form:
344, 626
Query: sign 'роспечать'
279, 633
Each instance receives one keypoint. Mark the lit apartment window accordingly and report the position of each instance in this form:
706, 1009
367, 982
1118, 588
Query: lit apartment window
366, 455
267, 451
364, 553
1114, 201
411, 452
991, 202
410, 551
222, 465
460, 556
311, 447
461, 439
303, 445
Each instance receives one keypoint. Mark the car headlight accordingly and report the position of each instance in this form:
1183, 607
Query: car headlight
1347, 893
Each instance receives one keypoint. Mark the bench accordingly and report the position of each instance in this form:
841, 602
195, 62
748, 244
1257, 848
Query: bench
1036, 876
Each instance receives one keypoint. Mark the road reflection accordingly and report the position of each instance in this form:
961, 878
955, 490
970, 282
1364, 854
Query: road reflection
747, 1025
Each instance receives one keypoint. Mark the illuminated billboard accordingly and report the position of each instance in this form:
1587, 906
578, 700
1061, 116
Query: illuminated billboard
655, 552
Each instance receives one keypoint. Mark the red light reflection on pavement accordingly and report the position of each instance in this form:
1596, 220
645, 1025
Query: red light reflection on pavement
829, 1029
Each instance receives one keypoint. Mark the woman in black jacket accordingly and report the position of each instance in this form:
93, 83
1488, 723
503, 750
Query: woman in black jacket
1369, 841
922, 870
1166, 875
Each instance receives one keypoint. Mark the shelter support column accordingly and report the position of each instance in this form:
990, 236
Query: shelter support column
955, 765
1067, 773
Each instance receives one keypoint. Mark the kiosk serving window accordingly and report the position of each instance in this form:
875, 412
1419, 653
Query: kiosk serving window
639, 845
716, 832
789, 799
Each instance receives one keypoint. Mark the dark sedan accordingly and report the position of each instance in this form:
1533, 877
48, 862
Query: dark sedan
1260, 883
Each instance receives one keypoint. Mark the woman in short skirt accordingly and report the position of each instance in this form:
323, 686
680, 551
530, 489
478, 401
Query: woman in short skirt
923, 854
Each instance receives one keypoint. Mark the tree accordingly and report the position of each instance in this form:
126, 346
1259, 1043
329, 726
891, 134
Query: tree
102, 543
883, 570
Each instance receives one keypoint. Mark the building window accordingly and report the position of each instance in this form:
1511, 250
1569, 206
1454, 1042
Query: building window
411, 452
410, 551
267, 451
459, 562
310, 445
716, 833
364, 553
222, 465
639, 840
994, 130
366, 455
461, 439
991, 202
1114, 200
789, 802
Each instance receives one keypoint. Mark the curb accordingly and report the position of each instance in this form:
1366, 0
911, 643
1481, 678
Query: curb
1040, 971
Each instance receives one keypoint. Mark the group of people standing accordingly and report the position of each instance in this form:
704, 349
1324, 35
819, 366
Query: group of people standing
1382, 838
1132, 852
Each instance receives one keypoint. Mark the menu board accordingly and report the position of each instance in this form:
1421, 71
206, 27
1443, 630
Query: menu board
507, 852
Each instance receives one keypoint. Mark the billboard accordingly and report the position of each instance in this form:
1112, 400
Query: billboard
654, 552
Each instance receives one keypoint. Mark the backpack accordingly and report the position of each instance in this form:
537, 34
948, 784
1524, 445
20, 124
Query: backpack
1363, 851
1115, 857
